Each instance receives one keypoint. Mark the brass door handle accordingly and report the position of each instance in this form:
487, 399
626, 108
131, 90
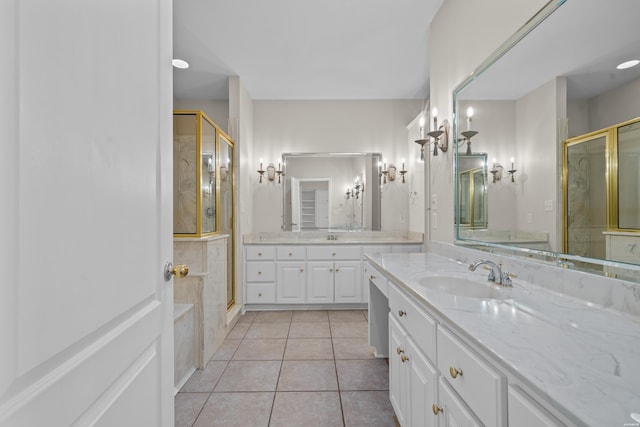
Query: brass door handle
180, 271
404, 358
436, 409
401, 313
454, 372
399, 351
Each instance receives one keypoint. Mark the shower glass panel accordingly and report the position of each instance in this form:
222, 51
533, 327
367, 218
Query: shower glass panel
629, 176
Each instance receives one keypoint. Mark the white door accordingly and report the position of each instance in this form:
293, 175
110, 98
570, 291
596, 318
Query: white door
348, 285
295, 204
86, 330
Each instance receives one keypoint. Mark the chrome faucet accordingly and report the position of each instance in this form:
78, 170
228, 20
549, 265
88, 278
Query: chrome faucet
496, 275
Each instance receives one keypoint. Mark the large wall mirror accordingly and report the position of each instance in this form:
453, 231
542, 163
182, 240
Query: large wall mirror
331, 191
552, 83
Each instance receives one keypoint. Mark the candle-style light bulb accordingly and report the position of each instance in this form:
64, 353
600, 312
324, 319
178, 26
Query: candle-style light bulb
512, 161
421, 122
403, 163
434, 113
469, 117
260, 163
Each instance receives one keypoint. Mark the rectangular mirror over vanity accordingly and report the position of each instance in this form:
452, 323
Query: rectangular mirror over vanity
558, 123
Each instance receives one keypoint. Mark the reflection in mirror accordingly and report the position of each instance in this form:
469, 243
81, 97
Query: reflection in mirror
472, 191
555, 79
337, 191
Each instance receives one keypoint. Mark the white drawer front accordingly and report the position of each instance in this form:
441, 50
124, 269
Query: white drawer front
374, 276
291, 253
419, 325
261, 293
261, 271
333, 252
479, 385
260, 252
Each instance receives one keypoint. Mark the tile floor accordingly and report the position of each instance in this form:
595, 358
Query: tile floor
290, 368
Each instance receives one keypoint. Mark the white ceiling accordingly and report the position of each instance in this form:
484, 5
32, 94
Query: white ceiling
295, 49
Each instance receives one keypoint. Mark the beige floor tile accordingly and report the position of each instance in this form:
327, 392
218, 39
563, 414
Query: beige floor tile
367, 409
310, 330
298, 409
308, 349
308, 375
311, 316
349, 329
260, 349
238, 331
273, 316
250, 376
363, 374
346, 316
204, 380
236, 410
248, 317
267, 330
227, 349
187, 407
352, 348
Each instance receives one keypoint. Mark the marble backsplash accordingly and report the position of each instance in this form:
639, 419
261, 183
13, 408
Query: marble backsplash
622, 296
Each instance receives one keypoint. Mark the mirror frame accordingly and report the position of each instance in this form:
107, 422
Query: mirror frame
591, 265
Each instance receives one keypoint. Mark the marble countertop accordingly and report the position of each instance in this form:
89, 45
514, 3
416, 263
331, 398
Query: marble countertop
342, 238
584, 359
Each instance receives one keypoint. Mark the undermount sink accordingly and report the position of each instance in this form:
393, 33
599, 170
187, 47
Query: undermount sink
463, 286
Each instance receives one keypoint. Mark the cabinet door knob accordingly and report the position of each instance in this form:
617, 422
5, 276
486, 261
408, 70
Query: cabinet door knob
404, 358
290, 254
259, 253
372, 277
301, 270
399, 351
436, 409
401, 313
454, 372
331, 270
260, 294
337, 269
334, 254
259, 273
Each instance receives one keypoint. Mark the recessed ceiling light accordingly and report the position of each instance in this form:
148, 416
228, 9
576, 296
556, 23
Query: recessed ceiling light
180, 63
628, 64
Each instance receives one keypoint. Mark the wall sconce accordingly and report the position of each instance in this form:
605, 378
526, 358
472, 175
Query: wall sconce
437, 134
271, 172
383, 172
497, 170
348, 193
391, 172
467, 134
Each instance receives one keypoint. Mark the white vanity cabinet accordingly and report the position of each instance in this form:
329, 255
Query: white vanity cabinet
334, 274
292, 276
412, 379
260, 274
525, 411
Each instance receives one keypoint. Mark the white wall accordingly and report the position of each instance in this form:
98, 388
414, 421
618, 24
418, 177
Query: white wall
330, 126
462, 34
537, 155
616, 106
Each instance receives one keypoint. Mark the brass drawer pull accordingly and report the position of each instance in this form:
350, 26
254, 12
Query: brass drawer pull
454, 372
436, 409
404, 358
399, 351
402, 313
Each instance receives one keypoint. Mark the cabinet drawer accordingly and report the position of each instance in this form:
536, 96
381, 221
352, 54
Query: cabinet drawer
261, 271
291, 252
258, 293
479, 385
260, 252
333, 252
374, 276
419, 325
